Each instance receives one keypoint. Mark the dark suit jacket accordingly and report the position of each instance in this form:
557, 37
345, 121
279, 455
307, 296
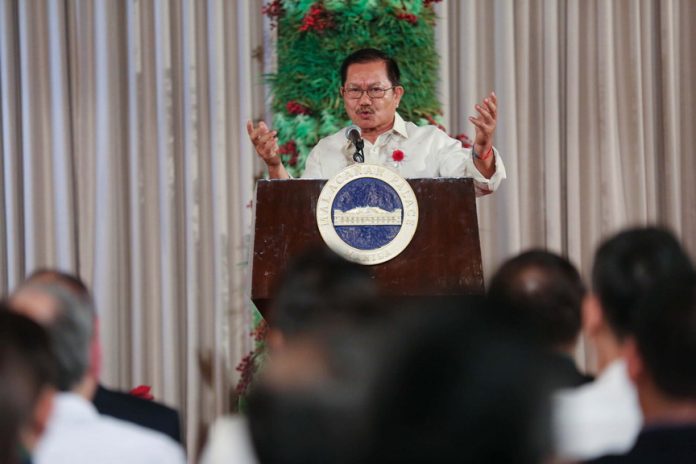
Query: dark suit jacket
139, 411
661, 445
564, 372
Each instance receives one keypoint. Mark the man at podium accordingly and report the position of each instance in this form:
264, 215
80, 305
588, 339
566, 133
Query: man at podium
371, 91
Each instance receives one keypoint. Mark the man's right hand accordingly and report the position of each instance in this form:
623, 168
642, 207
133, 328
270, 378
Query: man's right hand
266, 146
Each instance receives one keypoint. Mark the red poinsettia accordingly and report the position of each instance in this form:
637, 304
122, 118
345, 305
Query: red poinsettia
290, 148
274, 11
398, 155
296, 108
317, 19
408, 17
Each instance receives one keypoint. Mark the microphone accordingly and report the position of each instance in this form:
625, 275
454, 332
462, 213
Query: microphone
353, 134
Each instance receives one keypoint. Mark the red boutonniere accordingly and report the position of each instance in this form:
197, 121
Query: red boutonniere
398, 156
142, 391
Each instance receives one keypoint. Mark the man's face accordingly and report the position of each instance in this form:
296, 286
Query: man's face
373, 116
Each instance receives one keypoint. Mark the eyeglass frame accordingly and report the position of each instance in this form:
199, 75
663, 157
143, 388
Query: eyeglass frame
343, 92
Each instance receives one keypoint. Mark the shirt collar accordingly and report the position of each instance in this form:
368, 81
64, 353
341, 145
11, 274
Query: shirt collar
400, 126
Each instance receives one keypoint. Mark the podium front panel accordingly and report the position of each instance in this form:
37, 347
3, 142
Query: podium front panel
443, 258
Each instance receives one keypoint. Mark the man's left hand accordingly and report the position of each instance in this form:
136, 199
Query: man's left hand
485, 124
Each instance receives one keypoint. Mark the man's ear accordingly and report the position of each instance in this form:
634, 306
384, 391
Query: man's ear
634, 361
592, 316
398, 93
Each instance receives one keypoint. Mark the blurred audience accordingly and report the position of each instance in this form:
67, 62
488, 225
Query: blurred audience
660, 362
311, 403
320, 293
604, 417
27, 374
320, 288
452, 389
351, 378
120, 405
539, 295
76, 433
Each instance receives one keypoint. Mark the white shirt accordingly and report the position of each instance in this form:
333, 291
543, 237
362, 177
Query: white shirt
599, 418
229, 442
76, 434
428, 152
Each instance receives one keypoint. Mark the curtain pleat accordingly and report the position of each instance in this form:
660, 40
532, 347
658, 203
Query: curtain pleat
124, 158
596, 118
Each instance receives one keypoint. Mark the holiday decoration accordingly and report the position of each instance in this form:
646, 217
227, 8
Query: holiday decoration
315, 36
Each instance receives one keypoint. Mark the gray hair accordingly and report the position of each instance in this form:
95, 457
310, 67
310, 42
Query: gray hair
70, 331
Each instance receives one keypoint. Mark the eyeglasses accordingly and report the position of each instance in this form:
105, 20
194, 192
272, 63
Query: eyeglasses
355, 94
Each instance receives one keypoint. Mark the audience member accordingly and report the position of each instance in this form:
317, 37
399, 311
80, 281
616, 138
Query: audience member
604, 417
319, 288
76, 433
311, 403
26, 386
320, 293
453, 390
660, 361
539, 295
120, 405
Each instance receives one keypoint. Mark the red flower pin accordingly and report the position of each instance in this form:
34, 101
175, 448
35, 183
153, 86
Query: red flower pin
142, 391
398, 155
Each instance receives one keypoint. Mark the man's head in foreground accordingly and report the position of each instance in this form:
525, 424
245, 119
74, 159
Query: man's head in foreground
539, 294
626, 268
69, 319
26, 377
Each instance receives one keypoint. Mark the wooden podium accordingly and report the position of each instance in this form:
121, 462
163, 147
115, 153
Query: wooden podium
442, 260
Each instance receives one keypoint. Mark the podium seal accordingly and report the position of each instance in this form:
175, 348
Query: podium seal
367, 213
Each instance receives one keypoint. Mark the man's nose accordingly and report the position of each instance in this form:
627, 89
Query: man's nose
365, 99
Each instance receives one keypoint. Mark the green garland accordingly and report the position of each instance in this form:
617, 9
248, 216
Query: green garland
313, 39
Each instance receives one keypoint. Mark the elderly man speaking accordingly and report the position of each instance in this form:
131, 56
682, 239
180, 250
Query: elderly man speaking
371, 91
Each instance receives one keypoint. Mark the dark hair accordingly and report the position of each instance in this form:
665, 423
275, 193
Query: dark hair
453, 390
368, 55
320, 287
322, 417
666, 336
539, 293
26, 368
628, 265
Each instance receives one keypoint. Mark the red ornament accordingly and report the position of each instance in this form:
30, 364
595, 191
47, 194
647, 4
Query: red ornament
289, 148
274, 11
296, 108
408, 17
398, 155
317, 19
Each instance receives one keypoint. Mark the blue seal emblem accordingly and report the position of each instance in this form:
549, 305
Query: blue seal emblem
367, 213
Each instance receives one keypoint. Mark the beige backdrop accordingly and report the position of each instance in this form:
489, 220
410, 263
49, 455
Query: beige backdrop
597, 117
123, 152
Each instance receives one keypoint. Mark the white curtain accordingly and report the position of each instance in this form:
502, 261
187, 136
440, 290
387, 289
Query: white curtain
125, 159
596, 117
